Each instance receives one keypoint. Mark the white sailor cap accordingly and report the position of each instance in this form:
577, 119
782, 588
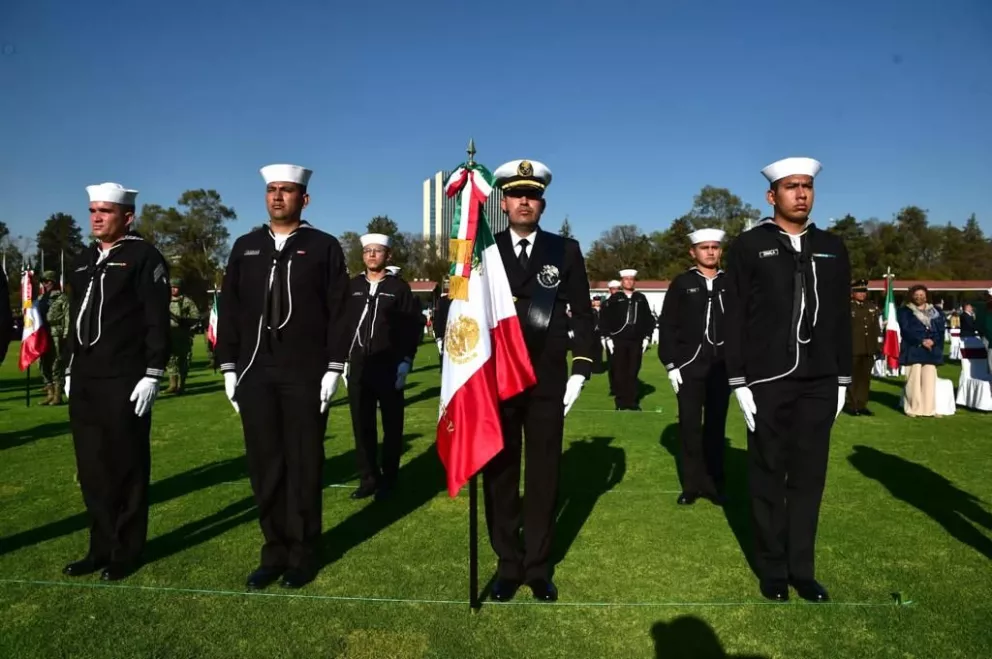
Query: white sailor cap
286, 174
629, 272
375, 239
115, 193
522, 173
706, 236
613, 283
393, 269
790, 167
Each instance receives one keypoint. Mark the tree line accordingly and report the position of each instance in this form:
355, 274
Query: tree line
193, 235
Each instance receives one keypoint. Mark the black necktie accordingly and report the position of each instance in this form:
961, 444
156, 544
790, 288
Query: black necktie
522, 258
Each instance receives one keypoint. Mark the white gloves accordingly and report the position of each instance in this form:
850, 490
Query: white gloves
644, 345
230, 385
328, 385
572, 390
609, 345
841, 395
401, 372
347, 372
746, 400
675, 377
66, 388
144, 395
440, 346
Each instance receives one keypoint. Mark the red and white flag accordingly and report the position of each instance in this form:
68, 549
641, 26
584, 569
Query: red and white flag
485, 359
212, 324
893, 335
34, 339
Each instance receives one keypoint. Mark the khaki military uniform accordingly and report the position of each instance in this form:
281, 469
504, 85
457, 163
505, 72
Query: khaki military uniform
865, 328
182, 316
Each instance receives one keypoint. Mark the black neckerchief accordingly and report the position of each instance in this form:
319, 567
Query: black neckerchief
802, 264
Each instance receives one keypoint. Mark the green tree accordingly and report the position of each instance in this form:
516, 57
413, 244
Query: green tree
382, 224
622, 246
718, 208
566, 229
858, 245
670, 250
351, 245
60, 235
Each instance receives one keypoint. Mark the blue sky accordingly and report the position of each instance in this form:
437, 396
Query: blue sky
633, 105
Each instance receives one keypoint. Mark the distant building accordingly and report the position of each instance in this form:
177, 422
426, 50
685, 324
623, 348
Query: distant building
439, 211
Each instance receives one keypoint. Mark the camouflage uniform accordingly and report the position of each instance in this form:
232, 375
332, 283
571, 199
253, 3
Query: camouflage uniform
55, 308
183, 315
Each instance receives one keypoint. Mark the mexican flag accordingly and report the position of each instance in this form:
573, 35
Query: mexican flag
34, 339
212, 324
485, 359
893, 337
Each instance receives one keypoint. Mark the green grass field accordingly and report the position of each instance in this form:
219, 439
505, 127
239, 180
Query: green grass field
906, 511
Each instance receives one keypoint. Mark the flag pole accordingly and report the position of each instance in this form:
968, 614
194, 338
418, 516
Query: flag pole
473, 500
26, 293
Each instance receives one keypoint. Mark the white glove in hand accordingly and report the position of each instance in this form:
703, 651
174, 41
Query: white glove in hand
144, 394
440, 346
230, 385
401, 372
66, 388
675, 377
841, 395
746, 400
609, 345
328, 385
572, 390
347, 372
644, 345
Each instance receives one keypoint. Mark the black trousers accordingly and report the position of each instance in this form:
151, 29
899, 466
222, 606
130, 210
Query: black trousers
534, 425
702, 427
787, 469
113, 460
371, 386
625, 367
857, 393
284, 443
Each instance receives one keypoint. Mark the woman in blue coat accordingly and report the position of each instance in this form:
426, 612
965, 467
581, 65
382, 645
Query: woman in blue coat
922, 350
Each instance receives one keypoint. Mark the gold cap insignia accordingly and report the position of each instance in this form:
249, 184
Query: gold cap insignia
525, 168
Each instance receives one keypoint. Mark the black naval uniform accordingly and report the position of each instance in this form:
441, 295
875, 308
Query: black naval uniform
281, 328
627, 320
690, 338
6, 316
119, 310
864, 344
384, 327
788, 339
534, 420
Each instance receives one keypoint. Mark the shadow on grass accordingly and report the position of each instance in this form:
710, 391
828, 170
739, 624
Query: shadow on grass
886, 399
737, 509
431, 393
16, 438
644, 389
202, 387
954, 509
689, 637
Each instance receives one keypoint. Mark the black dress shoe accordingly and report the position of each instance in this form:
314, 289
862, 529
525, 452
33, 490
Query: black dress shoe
297, 577
504, 589
851, 412
364, 491
687, 499
117, 570
264, 577
86, 566
777, 591
543, 590
810, 590
866, 412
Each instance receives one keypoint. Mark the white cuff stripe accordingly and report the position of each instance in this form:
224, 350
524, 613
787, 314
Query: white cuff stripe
155, 372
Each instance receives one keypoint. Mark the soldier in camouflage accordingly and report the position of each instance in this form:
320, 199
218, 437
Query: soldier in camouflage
183, 315
53, 306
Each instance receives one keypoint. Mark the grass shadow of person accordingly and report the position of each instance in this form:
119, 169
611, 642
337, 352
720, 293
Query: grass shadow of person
426, 394
169, 488
954, 509
689, 637
644, 390
886, 399
737, 508
17, 438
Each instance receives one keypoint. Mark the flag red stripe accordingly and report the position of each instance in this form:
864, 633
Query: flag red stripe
469, 433
516, 373
891, 349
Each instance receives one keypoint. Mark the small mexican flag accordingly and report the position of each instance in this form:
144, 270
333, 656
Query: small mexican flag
212, 323
485, 357
34, 339
893, 337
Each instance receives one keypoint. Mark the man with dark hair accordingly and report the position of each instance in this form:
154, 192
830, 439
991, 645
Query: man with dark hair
547, 274
281, 348
628, 323
864, 347
117, 347
788, 353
